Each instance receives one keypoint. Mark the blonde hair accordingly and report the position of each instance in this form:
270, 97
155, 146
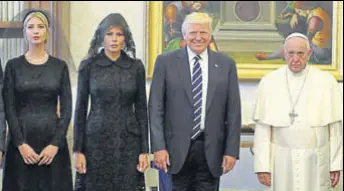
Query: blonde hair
197, 18
41, 17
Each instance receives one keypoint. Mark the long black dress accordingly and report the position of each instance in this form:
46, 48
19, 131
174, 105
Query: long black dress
31, 93
116, 129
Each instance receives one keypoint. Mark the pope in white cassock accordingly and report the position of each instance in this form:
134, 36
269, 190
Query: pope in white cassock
298, 140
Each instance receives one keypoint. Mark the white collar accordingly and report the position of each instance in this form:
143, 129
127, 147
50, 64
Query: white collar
192, 55
299, 74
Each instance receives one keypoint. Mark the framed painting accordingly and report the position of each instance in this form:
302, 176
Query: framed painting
252, 32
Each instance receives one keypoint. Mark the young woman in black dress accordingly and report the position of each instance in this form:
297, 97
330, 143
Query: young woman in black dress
37, 156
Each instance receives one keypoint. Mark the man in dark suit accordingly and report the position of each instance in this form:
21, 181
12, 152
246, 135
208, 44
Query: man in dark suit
195, 110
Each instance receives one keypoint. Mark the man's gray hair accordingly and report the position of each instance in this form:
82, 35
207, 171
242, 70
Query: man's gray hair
197, 18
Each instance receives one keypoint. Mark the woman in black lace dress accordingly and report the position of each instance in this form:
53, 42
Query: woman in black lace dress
111, 142
37, 156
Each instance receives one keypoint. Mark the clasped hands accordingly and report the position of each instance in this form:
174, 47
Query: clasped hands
29, 156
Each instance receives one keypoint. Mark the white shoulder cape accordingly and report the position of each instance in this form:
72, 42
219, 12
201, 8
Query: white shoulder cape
321, 94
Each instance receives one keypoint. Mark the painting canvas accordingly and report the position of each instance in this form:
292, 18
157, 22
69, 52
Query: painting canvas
252, 32
174, 13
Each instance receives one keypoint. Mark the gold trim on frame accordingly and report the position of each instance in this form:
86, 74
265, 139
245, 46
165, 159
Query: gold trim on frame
154, 34
246, 71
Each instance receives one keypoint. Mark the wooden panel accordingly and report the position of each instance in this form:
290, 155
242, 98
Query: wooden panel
16, 24
34, 4
46, 5
58, 44
63, 16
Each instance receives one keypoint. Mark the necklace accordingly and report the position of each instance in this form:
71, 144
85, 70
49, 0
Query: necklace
37, 61
292, 114
34, 71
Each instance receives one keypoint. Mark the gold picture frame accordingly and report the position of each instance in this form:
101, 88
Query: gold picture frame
248, 69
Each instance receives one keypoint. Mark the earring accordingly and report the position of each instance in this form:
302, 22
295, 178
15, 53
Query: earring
100, 49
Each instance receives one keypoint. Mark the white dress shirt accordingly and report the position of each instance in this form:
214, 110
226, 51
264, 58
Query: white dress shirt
204, 67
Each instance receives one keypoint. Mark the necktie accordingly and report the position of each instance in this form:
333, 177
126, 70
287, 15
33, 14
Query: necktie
197, 97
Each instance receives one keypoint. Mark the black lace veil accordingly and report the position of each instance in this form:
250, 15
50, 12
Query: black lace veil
111, 20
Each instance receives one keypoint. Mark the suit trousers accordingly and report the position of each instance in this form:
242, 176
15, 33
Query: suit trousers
195, 174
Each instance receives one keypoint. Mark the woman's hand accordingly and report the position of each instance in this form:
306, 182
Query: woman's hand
28, 154
48, 154
143, 162
80, 163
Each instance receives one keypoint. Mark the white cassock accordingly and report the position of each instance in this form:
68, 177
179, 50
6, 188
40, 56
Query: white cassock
299, 155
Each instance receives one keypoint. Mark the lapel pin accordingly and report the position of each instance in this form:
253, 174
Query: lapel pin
216, 65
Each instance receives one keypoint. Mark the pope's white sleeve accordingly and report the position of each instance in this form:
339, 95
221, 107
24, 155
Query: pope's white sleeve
336, 146
262, 147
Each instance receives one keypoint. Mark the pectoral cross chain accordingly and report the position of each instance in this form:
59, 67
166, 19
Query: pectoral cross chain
292, 116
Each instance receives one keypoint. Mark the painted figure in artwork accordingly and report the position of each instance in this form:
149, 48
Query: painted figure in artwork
312, 19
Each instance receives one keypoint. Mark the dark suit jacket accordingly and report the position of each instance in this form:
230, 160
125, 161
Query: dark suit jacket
170, 109
2, 114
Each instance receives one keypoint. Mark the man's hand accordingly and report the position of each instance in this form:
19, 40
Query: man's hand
28, 154
143, 162
162, 159
264, 178
334, 178
47, 155
80, 163
228, 163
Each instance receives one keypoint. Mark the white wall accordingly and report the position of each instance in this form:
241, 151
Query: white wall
86, 15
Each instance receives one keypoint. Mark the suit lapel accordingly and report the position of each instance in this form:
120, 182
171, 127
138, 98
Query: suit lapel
214, 69
184, 72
